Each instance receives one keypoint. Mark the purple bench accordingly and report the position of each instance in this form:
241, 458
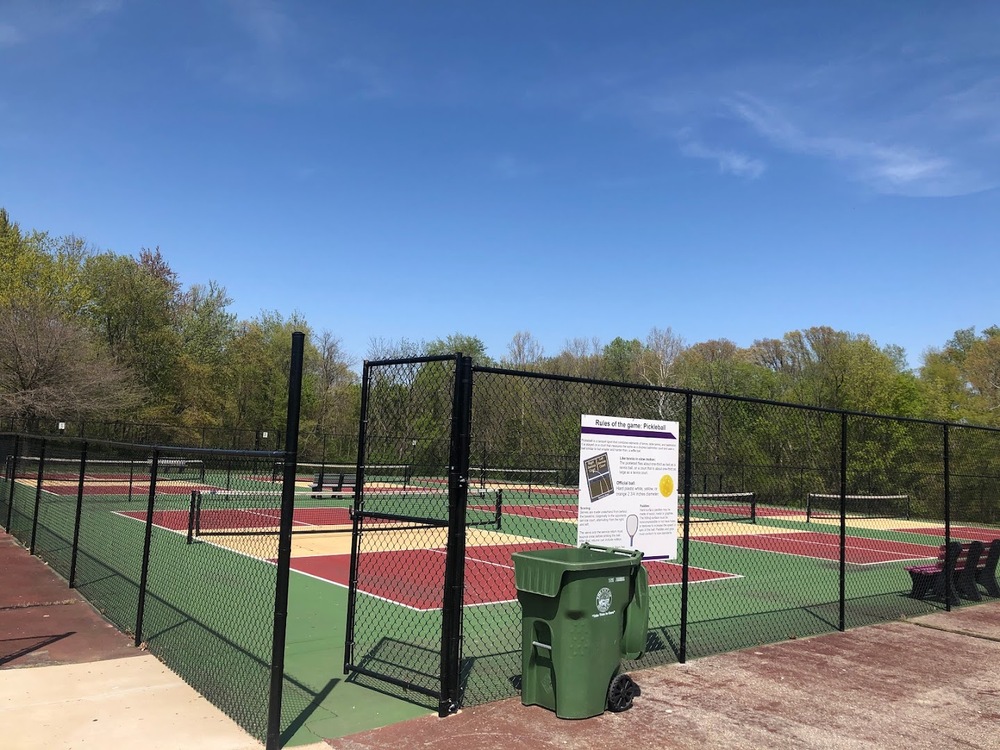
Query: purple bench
952, 577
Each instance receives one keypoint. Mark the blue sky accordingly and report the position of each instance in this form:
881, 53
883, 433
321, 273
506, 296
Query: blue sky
574, 169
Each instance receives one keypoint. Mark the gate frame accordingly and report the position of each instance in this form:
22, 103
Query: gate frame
453, 586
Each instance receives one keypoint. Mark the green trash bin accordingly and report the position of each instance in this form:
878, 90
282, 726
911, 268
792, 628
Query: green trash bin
583, 609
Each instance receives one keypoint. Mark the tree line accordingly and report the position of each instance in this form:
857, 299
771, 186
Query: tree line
90, 334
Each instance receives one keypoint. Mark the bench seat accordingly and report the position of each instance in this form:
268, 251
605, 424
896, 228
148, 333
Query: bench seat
333, 483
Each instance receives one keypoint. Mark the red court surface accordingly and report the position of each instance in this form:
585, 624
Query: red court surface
967, 533
412, 578
820, 546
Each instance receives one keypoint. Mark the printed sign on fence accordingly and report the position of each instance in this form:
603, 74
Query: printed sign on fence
628, 484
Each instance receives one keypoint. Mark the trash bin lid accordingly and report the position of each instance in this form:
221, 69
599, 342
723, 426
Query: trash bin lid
541, 571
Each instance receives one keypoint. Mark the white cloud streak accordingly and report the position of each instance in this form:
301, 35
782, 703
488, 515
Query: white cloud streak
510, 167
727, 160
9, 35
889, 168
29, 20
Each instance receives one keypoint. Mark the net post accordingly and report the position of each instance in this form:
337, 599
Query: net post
131, 476
191, 516
753, 507
499, 516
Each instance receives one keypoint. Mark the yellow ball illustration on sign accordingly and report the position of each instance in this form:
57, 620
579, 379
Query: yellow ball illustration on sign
666, 485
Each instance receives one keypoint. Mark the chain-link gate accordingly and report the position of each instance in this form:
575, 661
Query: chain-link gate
404, 616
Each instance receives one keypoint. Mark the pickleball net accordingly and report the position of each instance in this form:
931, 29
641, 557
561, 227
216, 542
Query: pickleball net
251, 512
720, 506
106, 470
827, 505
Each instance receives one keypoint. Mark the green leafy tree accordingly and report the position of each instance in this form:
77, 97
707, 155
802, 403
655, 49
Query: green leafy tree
838, 370
131, 307
205, 329
622, 360
257, 370
470, 346
961, 380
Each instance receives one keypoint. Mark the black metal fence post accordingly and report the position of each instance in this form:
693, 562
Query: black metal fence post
356, 521
454, 570
285, 544
948, 569
13, 480
78, 515
685, 565
841, 624
147, 543
38, 496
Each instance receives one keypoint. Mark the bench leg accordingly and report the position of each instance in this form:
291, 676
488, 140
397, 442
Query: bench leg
921, 584
990, 584
951, 596
968, 590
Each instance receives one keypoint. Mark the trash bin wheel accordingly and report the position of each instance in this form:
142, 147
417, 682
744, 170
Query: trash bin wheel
621, 692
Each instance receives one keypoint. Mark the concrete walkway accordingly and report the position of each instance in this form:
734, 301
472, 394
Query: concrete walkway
70, 680
120, 703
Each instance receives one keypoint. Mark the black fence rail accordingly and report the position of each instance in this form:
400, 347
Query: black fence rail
791, 521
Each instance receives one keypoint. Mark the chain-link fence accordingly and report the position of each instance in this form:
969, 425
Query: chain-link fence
113, 520
792, 521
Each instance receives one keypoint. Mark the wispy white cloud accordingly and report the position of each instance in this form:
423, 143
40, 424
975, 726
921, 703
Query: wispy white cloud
910, 110
103, 6
28, 20
265, 21
890, 168
510, 167
9, 35
260, 61
274, 56
368, 77
727, 160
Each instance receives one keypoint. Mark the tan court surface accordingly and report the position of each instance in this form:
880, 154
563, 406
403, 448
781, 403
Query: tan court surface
69, 681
